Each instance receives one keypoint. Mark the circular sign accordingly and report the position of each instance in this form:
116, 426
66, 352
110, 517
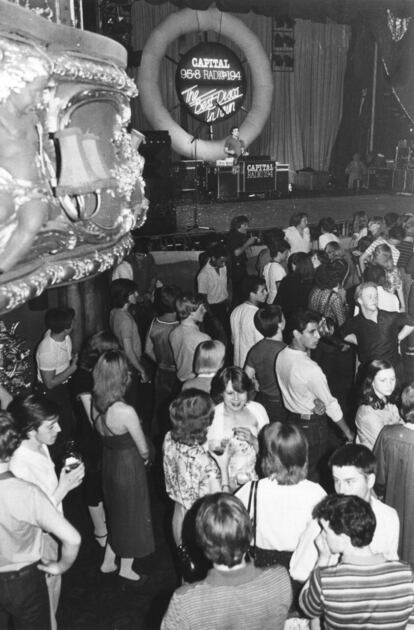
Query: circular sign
210, 82
188, 21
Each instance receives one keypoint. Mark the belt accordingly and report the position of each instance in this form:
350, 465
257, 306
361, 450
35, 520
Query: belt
306, 416
20, 572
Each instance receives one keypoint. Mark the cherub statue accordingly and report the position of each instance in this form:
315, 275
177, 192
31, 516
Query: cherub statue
24, 193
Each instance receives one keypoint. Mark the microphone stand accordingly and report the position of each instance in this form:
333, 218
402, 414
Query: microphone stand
195, 226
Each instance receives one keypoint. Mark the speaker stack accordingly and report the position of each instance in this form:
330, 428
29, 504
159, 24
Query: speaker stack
156, 150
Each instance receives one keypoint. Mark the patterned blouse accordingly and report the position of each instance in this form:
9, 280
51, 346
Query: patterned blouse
328, 303
187, 471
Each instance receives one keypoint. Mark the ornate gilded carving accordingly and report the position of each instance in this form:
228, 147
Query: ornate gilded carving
70, 173
53, 272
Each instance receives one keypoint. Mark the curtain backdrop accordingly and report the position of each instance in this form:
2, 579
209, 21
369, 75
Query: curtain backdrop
307, 103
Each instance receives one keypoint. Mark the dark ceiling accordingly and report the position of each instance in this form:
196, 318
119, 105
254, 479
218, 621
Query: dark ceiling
341, 11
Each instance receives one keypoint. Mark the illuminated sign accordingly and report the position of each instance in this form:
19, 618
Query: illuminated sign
210, 82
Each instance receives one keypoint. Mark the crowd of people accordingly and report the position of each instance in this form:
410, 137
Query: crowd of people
276, 407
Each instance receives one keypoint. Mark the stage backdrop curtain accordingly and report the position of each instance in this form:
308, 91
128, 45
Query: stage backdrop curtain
307, 103
320, 64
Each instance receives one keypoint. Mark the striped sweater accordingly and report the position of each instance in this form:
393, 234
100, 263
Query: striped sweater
355, 596
246, 598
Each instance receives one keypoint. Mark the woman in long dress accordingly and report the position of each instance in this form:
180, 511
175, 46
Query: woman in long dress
125, 459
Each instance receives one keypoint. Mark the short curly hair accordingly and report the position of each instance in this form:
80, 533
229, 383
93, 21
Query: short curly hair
223, 529
9, 436
191, 414
348, 515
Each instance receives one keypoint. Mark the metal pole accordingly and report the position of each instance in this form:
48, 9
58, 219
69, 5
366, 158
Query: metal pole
373, 99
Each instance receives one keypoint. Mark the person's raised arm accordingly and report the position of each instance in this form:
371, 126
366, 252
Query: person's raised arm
240, 250
404, 332
68, 480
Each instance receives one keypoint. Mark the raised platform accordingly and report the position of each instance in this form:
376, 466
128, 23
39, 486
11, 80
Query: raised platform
276, 213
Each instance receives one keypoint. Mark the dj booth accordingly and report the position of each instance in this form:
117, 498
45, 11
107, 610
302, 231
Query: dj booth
249, 176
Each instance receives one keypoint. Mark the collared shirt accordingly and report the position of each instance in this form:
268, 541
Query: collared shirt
297, 242
213, 283
243, 331
188, 471
184, 340
301, 381
35, 467
25, 512
377, 340
370, 421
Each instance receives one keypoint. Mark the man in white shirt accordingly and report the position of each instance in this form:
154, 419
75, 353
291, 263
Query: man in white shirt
243, 331
353, 470
303, 384
26, 512
55, 366
212, 284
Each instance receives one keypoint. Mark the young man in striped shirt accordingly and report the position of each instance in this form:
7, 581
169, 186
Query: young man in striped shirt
364, 590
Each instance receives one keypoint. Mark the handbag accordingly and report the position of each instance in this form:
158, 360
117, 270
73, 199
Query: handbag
263, 557
193, 564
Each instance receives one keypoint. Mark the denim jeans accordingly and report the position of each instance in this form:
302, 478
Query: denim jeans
24, 599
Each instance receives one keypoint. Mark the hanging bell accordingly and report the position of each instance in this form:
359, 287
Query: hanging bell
76, 175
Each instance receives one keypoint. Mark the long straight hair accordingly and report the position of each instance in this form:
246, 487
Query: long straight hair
111, 379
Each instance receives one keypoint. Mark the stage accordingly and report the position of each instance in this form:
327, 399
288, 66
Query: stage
276, 213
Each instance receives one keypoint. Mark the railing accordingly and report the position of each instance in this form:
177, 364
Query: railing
202, 239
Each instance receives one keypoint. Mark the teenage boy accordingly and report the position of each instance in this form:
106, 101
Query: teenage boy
26, 512
243, 331
55, 365
353, 469
364, 590
235, 593
260, 361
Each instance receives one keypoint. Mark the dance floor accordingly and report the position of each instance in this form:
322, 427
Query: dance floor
276, 212
93, 601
